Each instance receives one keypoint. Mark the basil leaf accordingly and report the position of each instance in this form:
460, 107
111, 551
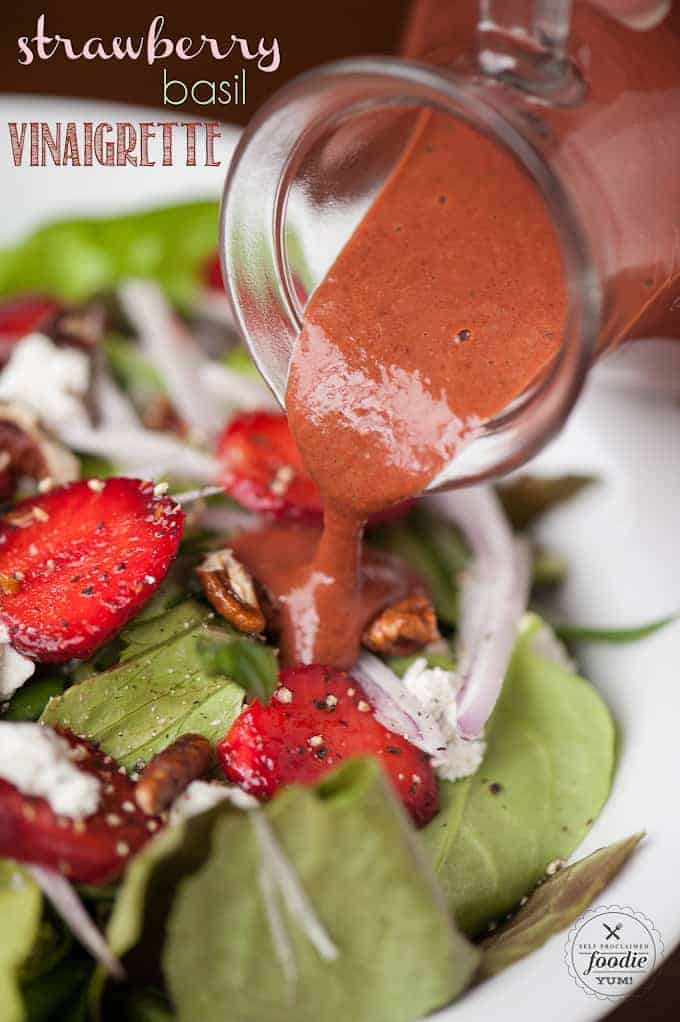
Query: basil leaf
248, 662
553, 906
74, 259
20, 911
157, 693
358, 862
545, 776
527, 497
613, 636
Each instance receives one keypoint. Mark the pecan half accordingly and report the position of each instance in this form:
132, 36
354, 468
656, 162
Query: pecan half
26, 450
231, 591
403, 628
172, 770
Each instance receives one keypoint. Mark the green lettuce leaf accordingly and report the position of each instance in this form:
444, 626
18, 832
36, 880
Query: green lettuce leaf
359, 862
20, 912
74, 259
553, 906
545, 776
158, 692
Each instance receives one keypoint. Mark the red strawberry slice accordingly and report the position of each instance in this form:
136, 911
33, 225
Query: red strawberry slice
212, 273
93, 850
262, 469
19, 316
318, 717
77, 563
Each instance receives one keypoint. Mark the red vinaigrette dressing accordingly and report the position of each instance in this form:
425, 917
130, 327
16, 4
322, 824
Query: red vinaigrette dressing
446, 303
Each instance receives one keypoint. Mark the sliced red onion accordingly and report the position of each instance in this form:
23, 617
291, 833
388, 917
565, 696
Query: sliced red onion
494, 595
144, 452
395, 707
69, 906
235, 390
174, 354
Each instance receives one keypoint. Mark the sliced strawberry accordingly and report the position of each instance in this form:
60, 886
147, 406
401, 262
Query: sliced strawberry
212, 273
263, 470
318, 717
93, 850
80, 561
19, 316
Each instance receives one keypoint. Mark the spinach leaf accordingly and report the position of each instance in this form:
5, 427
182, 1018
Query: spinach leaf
20, 911
553, 906
545, 776
158, 692
73, 259
358, 861
613, 636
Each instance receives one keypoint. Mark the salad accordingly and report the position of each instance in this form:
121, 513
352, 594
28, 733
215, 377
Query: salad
188, 828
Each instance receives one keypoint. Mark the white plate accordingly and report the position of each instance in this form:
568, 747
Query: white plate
621, 539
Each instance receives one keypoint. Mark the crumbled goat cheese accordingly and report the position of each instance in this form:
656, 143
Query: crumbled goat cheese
436, 689
52, 381
38, 762
15, 669
202, 795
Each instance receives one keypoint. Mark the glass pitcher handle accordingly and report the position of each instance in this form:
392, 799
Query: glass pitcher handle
524, 43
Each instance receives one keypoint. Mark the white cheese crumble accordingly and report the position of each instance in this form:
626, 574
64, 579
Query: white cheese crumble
202, 795
39, 762
435, 689
15, 669
52, 381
